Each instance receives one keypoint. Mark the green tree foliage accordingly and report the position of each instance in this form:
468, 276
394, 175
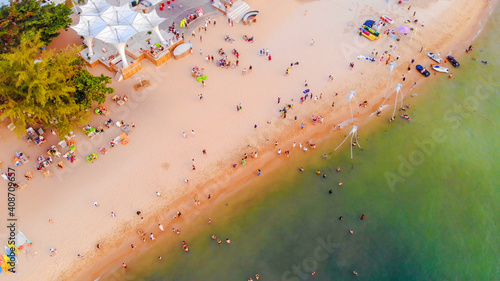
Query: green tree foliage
28, 17
47, 87
91, 88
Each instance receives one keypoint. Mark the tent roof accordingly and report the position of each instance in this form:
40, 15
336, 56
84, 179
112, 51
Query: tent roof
116, 33
118, 15
94, 7
89, 26
144, 22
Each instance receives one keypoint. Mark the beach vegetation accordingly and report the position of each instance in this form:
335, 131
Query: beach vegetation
27, 17
49, 87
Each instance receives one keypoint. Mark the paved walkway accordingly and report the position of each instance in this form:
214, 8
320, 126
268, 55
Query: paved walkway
188, 6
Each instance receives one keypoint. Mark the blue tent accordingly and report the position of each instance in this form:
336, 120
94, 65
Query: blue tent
369, 23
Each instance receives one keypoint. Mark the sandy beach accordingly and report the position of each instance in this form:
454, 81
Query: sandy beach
160, 159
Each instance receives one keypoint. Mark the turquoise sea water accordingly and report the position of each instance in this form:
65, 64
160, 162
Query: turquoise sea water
429, 189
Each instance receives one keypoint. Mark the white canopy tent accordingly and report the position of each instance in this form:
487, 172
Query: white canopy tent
94, 7
118, 35
118, 15
149, 21
114, 25
89, 26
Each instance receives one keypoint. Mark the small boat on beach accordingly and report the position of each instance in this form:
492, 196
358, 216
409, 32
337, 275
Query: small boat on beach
435, 57
453, 61
441, 69
423, 71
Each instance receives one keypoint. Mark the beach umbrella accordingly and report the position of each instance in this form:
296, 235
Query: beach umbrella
404, 29
199, 78
158, 45
204, 77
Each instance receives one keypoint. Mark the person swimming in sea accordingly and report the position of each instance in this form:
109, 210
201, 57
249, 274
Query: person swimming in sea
301, 169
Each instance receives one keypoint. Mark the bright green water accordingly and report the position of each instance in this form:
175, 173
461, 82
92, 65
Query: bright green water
437, 221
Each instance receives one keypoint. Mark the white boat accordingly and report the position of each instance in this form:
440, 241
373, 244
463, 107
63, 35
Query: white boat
435, 57
441, 69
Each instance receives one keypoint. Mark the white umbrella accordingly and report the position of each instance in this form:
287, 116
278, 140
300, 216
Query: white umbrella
89, 26
118, 15
149, 21
118, 35
94, 7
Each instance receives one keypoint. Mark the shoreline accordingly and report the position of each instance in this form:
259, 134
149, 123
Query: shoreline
239, 178
223, 180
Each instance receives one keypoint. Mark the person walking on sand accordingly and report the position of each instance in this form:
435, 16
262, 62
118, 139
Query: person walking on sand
160, 226
151, 236
312, 42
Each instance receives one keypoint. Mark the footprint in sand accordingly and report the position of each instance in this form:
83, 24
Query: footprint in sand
165, 165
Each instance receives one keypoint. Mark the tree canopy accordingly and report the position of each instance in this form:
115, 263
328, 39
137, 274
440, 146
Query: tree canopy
47, 87
27, 16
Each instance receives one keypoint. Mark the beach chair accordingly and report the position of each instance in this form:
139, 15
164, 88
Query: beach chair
61, 165
63, 144
22, 185
48, 174
70, 135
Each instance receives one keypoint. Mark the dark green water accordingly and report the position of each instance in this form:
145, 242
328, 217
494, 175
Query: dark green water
429, 190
